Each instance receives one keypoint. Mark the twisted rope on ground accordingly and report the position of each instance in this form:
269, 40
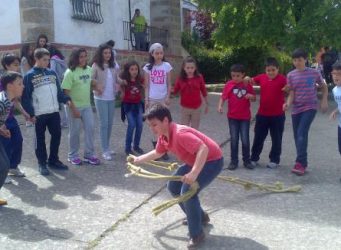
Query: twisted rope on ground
140, 172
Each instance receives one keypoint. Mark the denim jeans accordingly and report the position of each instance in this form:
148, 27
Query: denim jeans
239, 127
105, 112
140, 41
52, 123
301, 124
192, 207
134, 116
264, 124
13, 145
4, 166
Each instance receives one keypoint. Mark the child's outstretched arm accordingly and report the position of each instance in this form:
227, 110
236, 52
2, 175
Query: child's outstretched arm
152, 155
324, 101
220, 105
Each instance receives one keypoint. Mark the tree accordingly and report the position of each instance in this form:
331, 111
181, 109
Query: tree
290, 23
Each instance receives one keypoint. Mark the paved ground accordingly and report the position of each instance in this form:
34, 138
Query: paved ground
97, 208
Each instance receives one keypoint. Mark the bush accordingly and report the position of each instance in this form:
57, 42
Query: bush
215, 64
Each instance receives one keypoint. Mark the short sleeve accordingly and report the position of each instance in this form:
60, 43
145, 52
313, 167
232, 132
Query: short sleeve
189, 142
257, 79
289, 81
168, 67
226, 91
67, 81
160, 148
145, 68
250, 89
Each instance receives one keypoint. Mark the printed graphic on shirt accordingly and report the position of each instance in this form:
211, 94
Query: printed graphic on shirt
239, 92
84, 78
41, 80
158, 76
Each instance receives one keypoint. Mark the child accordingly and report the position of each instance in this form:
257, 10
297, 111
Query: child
58, 65
27, 60
202, 158
336, 74
13, 88
239, 96
77, 84
13, 145
42, 41
132, 105
302, 83
105, 73
157, 79
191, 86
42, 95
270, 116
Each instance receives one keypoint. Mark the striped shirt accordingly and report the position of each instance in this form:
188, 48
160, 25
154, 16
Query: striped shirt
5, 107
303, 83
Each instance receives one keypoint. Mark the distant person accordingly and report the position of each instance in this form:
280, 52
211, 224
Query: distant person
111, 43
42, 41
139, 30
27, 59
328, 59
303, 83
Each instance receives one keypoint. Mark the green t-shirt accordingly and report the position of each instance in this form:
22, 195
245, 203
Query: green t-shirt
79, 84
139, 23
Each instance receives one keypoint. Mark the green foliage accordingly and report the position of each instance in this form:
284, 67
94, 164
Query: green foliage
215, 64
291, 23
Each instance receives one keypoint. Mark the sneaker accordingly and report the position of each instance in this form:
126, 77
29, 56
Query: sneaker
43, 169
8, 180
58, 165
107, 156
254, 164
3, 202
93, 160
272, 165
298, 169
16, 172
232, 166
139, 150
204, 220
196, 241
248, 165
75, 161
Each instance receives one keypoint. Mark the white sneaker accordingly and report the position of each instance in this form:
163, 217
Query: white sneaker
272, 165
8, 180
112, 152
16, 172
29, 124
254, 164
107, 156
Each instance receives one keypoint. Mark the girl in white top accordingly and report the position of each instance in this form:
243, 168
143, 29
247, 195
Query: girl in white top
157, 80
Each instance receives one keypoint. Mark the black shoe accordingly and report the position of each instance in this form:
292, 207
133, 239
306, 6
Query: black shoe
204, 220
58, 165
248, 165
129, 152
139, 150
43, 169
196, 241
165, 157
232, 166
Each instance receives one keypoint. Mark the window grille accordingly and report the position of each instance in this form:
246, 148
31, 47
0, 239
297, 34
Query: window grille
87, 10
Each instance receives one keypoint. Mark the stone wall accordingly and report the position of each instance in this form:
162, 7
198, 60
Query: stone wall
36, 17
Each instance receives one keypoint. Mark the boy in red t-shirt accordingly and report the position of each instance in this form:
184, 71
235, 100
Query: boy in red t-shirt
270, 116
239, 96
202, 158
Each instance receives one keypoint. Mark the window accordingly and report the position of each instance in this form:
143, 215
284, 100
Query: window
87, 10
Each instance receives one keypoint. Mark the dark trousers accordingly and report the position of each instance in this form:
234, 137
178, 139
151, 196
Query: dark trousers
301, 124
4, 164
239, 127
52, 123
13, 145
264, 124
134, 114
339, 137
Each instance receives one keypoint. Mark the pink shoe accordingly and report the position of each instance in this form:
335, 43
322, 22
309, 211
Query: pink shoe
93, 160
298, 169
75, 161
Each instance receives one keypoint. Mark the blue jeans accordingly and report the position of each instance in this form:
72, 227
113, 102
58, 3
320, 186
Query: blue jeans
134, 116
13, 145
264, 124
301, 124
105, 111
192, 207
239, 127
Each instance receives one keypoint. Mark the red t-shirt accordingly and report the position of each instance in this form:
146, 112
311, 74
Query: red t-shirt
238, 106
272, 97
185, 142
190, 91
133, 92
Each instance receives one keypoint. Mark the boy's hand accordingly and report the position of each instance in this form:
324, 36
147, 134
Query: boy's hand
206, 108
220, 109
249, 96
324, 106
286, 106
33, 119
247, 80
333, 115
189, 178
286, 88
5, 132
76, 114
